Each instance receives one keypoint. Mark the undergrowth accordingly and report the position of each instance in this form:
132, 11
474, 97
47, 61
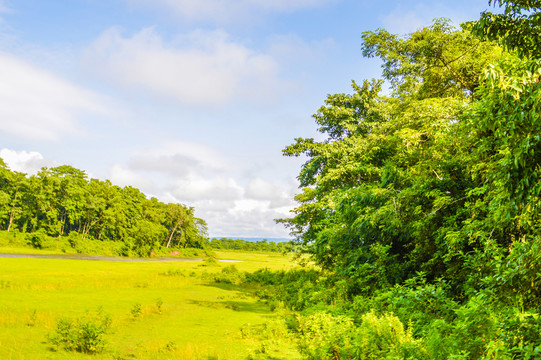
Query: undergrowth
84, 334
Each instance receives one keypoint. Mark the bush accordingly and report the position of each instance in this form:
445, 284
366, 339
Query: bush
136, 310
323, 336
229, 275
210, 261
385, 338
84, 334
36, 239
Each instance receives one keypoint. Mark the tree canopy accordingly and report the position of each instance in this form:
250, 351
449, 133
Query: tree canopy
63, 201
424, 201
383, 192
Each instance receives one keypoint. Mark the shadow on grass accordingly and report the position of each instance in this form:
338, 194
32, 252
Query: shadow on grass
253, 307
248, 290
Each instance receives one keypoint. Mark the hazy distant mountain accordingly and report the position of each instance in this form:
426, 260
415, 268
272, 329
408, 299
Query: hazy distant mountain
253, 239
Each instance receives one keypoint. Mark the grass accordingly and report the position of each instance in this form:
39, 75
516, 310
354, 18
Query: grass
159, 309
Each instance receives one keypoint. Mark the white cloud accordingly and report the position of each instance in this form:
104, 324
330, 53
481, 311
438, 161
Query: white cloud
202, 67
248, 218
122, 176
227, 10
231, 201
37, 105
260, 189
180, 159
195, 188
276, 195
28, 162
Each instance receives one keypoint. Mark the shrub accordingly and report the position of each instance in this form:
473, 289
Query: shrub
385, 338
173, 272
84, 334
36, 239
136, 310
210, 261
323, 336
159, 304
229, 275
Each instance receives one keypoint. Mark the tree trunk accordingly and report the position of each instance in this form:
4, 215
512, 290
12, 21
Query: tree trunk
10, 220
12, 213
173, 232
171, 236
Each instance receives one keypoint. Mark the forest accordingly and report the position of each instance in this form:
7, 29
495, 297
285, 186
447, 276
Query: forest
62, 202
421, 206
417, 230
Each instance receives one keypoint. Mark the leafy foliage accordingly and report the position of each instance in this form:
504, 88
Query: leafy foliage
84, 334
244, 245
388, 185
518, 28
422, 207
63, 201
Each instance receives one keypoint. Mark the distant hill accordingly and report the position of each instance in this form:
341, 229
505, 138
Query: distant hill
253, 239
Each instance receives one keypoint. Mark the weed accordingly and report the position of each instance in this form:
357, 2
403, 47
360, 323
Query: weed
32, 319
84, 334
229, 275
136, 310
159, 304
210, 261
173, 272
170, 346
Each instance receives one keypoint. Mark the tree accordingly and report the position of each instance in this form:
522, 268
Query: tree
175, 216
382, 192
12, 187
62, 200
517, 29
147, 236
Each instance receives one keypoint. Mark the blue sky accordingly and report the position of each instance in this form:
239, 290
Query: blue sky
191, 101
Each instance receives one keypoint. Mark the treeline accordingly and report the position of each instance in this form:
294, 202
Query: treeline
422, 207
62, 201
239, 244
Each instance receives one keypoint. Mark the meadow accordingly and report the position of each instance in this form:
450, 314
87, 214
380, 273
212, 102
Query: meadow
157, 309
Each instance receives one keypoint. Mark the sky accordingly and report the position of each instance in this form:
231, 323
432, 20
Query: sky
191, 101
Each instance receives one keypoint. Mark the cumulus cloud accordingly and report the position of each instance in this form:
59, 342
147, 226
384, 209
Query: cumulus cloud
180, 159
37, 105
262, 190
201, 67
227, 10
28, 162
122, 176
249, 218
231, 209
276, 195
195, 188
231, 202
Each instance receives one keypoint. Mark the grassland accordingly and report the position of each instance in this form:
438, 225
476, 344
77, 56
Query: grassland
159, 309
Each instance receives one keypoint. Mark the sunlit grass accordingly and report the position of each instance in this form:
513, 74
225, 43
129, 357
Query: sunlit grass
183, 314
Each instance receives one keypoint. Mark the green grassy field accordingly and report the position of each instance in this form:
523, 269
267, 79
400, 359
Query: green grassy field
159, 309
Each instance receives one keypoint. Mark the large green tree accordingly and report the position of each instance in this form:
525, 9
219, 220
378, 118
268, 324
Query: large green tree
518, 28
383, 191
